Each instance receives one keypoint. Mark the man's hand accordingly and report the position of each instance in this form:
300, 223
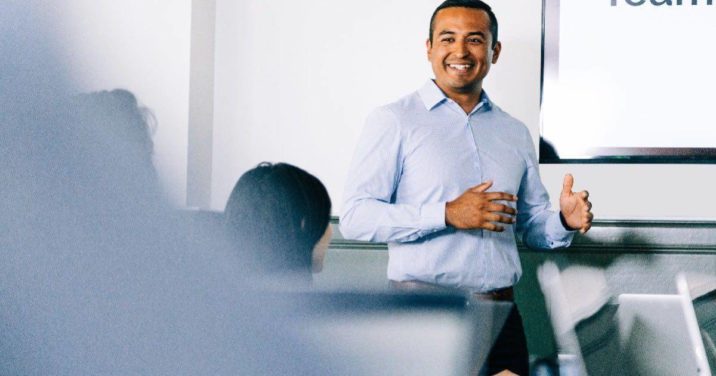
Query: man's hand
575, 207
476, 209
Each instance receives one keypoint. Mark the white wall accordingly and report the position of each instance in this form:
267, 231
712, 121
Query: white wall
295, 80
141, 46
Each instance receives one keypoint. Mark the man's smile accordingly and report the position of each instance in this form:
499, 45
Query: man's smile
460, 67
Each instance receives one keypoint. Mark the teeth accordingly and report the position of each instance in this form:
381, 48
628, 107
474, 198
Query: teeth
460, 66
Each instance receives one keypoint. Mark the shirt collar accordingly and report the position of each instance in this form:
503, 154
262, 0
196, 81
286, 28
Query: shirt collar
432, 96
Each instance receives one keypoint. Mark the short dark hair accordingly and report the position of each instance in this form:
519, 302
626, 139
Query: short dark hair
276, 214
474, 4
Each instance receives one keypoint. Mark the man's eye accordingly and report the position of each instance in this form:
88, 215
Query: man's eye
447, 40
475, 41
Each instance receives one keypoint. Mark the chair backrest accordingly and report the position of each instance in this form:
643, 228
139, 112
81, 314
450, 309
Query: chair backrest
585, 326
560, 315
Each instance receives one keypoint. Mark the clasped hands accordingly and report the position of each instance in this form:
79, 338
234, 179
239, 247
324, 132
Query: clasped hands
478, 209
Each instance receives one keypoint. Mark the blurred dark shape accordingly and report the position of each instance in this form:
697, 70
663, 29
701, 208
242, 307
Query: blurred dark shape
598, 337
585, 324
547, 152
275, 216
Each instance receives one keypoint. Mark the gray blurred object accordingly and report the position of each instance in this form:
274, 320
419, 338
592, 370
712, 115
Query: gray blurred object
585, 325
395, 333
98, 274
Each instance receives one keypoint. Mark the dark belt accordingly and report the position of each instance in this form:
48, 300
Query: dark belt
502, 295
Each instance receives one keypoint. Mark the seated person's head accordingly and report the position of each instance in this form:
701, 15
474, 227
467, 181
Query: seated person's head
117, 116
111, 145
278, 215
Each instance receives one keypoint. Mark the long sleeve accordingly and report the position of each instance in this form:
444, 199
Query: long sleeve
369, 210
540, 227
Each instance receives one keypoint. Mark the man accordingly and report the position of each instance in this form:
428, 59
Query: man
447, 178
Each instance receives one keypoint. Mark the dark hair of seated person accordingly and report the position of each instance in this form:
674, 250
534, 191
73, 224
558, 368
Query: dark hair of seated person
275, 216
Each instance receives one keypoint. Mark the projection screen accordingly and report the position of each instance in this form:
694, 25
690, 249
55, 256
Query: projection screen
628, 81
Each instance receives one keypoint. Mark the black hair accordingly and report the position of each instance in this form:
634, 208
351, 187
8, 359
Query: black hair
276, 214
473, 4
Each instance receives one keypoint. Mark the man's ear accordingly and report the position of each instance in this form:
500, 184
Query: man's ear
496, 52
428, 47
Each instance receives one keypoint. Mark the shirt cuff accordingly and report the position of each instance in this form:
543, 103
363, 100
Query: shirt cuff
564, 222
432, 216
555, 227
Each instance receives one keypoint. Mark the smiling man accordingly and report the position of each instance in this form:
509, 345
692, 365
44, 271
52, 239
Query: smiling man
447, 179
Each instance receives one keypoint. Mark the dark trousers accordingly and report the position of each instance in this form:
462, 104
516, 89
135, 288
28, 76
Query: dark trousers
510, 348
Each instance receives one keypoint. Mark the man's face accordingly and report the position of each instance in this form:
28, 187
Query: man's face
461, 51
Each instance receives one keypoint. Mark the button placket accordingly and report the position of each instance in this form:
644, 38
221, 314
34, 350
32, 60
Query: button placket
472, 128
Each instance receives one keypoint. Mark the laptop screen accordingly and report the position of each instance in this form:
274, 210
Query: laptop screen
660, 335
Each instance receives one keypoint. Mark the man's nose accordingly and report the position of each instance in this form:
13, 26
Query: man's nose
460, 48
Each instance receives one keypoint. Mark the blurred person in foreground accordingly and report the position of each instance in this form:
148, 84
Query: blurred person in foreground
278, 216
447, 179
98, 274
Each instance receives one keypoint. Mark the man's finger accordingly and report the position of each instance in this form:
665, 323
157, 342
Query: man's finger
492, 227
482, 187
499, 218
585, 195
584, 229
501, 208
568, 183
496, 196
492, 217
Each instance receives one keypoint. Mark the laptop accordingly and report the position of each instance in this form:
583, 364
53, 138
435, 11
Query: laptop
659, 334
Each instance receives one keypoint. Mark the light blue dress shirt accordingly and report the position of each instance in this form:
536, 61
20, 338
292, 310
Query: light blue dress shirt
418, 153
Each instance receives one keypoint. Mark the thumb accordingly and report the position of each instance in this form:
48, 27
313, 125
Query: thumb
567, 184
482, 187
